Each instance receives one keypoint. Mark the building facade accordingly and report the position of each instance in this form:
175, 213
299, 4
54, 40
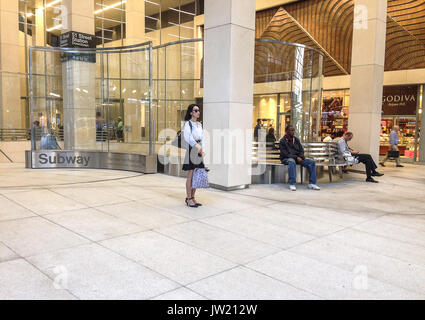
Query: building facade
372, 54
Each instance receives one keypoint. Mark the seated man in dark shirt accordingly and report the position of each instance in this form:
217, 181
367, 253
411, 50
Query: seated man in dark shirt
291, 154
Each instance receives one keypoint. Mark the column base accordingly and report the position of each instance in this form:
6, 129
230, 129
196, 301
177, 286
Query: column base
233, 188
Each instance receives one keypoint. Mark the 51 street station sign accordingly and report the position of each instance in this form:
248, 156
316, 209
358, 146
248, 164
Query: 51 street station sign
74, 39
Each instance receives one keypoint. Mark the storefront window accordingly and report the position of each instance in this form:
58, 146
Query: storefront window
400, 105
265, 111
334, 112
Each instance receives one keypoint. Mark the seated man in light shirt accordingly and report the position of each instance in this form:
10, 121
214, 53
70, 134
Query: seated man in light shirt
367, 159
393, 146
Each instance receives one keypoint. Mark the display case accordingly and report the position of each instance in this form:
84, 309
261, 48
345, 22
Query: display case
406, 135
334, 112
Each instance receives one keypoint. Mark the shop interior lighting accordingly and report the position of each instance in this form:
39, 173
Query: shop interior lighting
54, 95
112, 6
150, 29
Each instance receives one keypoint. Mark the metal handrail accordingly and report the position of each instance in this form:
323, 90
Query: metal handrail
14, 134
318, 151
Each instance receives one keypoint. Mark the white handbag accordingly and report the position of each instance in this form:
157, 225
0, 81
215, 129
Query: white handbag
350, 158
200, 179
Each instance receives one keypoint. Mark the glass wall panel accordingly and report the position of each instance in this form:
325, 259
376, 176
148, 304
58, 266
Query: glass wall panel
287, 88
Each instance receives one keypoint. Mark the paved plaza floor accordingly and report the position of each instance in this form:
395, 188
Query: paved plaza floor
97, 234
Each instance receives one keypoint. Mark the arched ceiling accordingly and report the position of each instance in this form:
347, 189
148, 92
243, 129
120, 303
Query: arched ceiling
328, 25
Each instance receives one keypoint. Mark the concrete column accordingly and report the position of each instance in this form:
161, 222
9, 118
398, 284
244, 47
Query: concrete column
135, 22
40, 34
367, 75
79, 85
228, 91
134, 66
10, 82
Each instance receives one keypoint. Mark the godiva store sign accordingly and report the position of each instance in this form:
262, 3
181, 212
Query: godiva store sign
400, 100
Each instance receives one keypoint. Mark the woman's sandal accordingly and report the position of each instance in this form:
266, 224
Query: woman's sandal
190, 205
197, 203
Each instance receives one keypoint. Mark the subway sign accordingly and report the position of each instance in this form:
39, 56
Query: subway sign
46, 159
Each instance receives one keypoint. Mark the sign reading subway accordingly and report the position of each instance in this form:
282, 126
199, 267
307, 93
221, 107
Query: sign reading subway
45, 158
65, 159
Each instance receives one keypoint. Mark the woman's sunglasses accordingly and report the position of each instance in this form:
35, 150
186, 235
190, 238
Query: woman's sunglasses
195, 110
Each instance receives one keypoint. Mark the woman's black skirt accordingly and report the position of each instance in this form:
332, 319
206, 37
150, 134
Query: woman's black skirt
193, 161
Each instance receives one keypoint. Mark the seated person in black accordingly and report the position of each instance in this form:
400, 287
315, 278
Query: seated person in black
291, 154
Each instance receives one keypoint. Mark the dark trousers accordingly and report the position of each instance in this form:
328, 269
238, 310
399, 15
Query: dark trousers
368, 162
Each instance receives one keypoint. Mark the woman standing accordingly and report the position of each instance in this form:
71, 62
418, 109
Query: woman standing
194, 152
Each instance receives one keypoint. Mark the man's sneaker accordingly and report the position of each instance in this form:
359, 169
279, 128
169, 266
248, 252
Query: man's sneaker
377, 174
371, 180
382, 164
399, 166
313, 187
292, 187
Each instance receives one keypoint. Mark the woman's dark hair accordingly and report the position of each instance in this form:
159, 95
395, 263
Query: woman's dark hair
188, 116
339, 134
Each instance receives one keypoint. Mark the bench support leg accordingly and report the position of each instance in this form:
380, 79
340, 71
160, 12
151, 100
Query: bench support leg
302, 174
330, 173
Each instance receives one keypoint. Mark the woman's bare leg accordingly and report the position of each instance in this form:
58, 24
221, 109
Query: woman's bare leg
189, 187
189, 184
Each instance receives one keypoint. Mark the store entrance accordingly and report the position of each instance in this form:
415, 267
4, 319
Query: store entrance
284, 118
272, 111
408, 135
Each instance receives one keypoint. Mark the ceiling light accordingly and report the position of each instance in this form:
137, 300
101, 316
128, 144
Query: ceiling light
110, 7
157, 4
54, 28
51, 4
182, 11
179, 25
153, 18
173, 35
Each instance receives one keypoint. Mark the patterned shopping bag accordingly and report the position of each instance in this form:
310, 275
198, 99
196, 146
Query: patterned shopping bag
200, 179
